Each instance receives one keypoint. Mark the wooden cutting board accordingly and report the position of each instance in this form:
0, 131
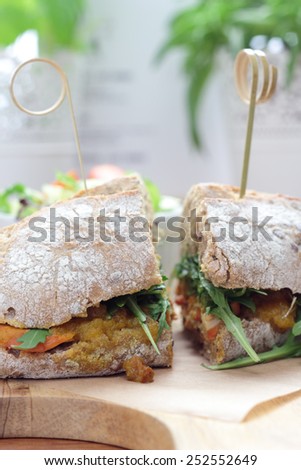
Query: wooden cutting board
187, 407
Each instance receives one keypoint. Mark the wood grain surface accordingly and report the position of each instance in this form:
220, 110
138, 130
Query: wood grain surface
52, 444
188, 407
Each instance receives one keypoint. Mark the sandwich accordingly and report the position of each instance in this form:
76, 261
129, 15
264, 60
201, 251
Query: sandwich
79, 297
239, 278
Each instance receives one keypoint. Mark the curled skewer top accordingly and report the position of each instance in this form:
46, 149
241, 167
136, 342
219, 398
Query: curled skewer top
248, 91
65, 90
244, 59
57, 104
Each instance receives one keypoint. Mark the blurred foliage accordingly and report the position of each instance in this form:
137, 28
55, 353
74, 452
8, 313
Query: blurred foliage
56, 21
203, 29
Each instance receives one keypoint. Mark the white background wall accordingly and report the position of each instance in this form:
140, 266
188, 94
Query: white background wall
132, 113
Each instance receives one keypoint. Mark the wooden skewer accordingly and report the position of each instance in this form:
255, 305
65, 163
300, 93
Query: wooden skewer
250, 95
65, 90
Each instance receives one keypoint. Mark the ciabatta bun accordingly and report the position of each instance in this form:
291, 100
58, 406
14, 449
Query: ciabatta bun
47, 283
270, 259
262, 263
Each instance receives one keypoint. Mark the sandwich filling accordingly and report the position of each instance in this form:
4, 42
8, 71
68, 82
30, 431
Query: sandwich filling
140, 317
213, 313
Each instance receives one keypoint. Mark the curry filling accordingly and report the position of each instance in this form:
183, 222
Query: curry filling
207, 309
126, 321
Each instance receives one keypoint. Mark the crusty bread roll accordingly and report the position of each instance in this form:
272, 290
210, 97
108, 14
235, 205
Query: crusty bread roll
267, 260
201, 191
47, 283
62, 283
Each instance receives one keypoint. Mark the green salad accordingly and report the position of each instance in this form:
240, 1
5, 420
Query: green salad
19, 201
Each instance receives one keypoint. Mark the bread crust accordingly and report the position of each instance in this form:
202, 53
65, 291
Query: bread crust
55, 364
200, 191
120, 185
47, 283
267, 260
195, 196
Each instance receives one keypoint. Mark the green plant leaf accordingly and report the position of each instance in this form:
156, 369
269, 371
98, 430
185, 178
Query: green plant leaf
216, 300
290, 348
154, 303
234, 326
195, 89
292, 64
297, 329
205, 27
140, 315
32, 338
55, 21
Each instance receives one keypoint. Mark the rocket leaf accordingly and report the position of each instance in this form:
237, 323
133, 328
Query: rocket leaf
216, 300
32, 338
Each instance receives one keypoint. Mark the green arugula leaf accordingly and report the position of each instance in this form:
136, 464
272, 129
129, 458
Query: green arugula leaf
152, 300
238, 293
156, 305
140, 315
32, 338
234, 326
297, 328
163, 325
154, 290
291, 348
257, 291
121, 301
216, 300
